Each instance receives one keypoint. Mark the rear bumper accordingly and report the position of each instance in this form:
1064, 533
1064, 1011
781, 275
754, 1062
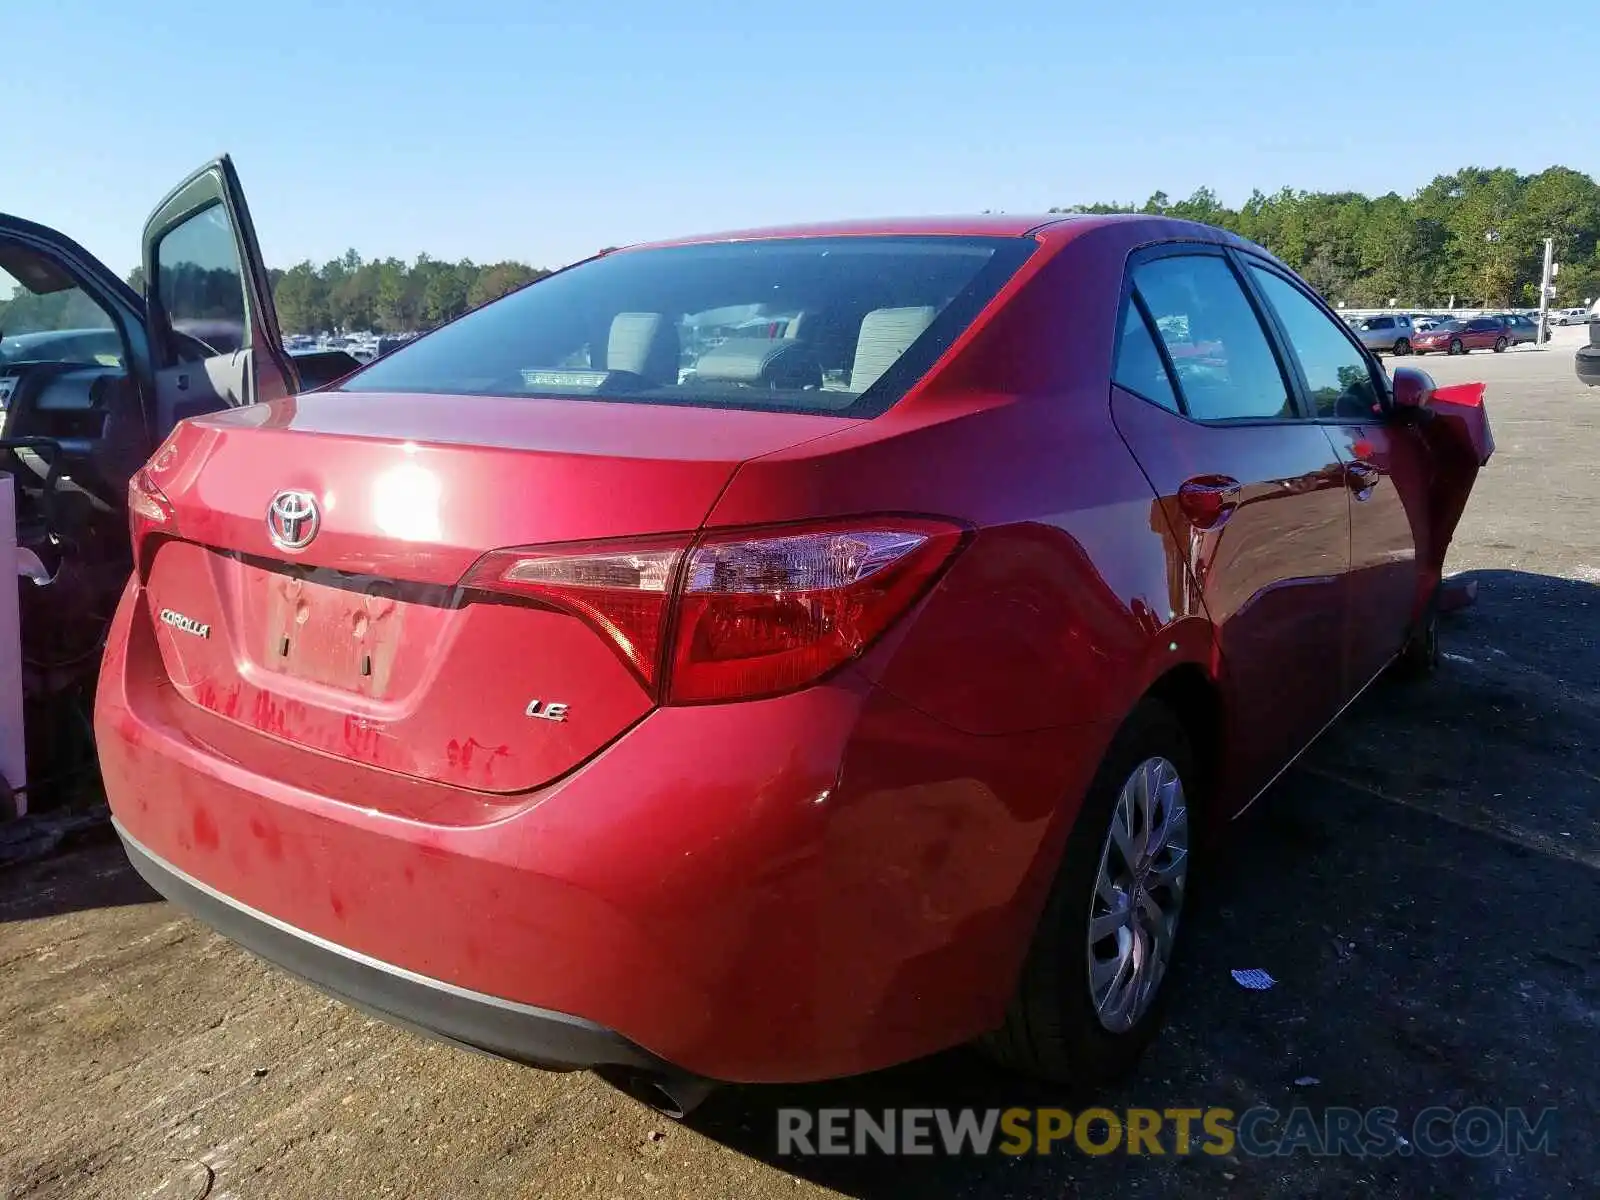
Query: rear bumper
811, 886
1587, 363
521, 1032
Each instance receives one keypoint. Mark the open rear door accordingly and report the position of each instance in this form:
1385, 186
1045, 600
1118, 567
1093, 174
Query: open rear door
212, 324
1457, 430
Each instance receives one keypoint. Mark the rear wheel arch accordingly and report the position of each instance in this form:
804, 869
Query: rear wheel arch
1195, 699
1050, 1028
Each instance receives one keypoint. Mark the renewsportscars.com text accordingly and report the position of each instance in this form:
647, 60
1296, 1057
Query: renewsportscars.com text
1257, 1132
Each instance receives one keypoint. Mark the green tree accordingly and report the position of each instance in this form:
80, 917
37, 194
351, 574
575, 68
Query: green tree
1476, 234
498, 279
1418, 250
301, 299
446, 296
395, 310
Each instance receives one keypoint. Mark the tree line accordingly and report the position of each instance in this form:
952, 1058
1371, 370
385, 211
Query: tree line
381, 296
389, 295
1475, 236
35, 312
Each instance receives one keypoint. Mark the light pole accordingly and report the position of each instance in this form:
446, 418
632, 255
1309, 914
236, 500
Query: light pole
1492, 237
1545, 278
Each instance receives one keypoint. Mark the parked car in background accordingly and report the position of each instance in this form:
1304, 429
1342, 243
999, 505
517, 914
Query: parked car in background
1424, 322
1588, 358
1386, 333
1522, 330
1569, 316
1462, 337
783, 718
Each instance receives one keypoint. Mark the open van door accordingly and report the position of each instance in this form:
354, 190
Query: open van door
213, 329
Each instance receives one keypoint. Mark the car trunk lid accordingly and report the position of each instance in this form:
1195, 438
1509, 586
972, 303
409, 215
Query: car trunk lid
362, 644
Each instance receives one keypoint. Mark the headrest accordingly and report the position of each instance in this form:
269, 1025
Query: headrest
770, 362
886, 334
644, 344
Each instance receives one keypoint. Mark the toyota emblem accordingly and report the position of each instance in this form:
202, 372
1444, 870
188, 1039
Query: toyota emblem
292, 520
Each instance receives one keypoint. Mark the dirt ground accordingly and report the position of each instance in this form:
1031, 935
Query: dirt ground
1425, 886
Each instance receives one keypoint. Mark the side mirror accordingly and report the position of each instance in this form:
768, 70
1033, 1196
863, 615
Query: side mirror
1413, 388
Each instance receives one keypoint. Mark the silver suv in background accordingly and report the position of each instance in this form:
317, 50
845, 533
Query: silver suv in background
1387, 333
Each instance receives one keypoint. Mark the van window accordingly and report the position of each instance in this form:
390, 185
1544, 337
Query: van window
200, 283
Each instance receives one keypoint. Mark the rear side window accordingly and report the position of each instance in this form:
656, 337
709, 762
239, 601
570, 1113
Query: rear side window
1337, 375
1139, 368
1225, 365
825, 325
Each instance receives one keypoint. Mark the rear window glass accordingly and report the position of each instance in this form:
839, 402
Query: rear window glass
820, 325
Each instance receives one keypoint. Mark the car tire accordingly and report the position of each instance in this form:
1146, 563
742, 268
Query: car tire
1500, 345
1419, 657
1456, 346
1402, 347
1053, 1027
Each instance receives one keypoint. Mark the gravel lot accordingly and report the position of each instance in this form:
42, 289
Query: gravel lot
1425, 886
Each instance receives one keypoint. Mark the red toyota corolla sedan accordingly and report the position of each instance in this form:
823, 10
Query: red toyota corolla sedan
776, 655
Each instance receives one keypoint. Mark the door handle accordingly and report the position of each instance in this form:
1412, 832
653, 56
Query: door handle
1208, 500
1362, 477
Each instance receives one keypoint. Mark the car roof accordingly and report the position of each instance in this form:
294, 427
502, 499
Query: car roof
1057, 228
981, 225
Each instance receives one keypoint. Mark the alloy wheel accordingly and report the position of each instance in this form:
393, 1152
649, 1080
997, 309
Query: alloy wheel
1138, 894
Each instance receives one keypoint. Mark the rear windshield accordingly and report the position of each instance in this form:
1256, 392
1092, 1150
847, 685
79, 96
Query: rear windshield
817, 325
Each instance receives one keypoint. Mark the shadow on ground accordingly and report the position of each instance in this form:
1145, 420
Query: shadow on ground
1423, 886
63, 863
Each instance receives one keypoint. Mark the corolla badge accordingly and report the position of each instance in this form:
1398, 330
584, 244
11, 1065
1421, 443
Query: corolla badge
177, 620
293, 520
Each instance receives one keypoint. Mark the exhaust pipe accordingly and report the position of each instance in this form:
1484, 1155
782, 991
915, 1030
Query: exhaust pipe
671, 1095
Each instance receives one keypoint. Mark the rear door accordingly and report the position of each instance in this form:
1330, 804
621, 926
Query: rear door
1481, 333
1251, 489
1386, 470
213, 328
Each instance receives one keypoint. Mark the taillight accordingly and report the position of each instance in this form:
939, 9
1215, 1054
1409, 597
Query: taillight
622, 591
149, 510
762, 613
749, 613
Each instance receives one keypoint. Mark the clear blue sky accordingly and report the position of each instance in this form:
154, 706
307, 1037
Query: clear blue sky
496, 129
